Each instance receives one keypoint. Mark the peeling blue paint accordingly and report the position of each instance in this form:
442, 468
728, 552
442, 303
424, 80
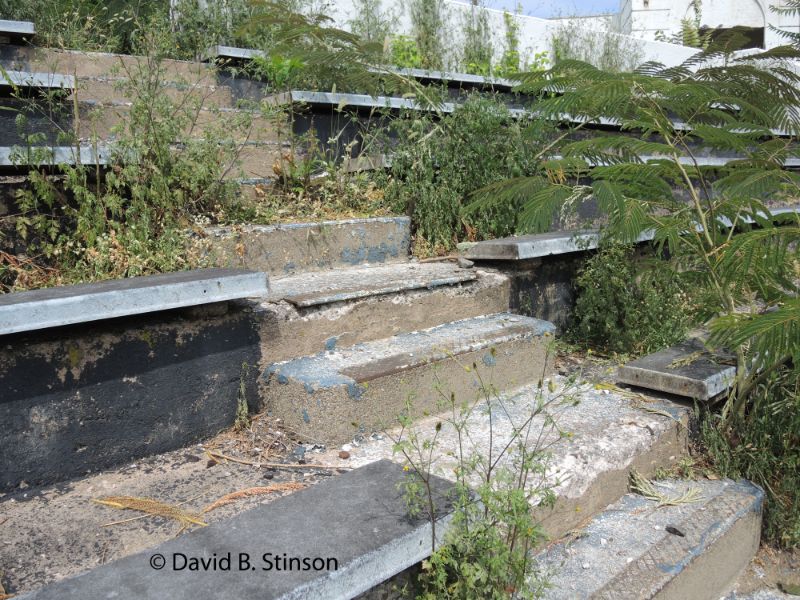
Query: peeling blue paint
330, 343
489, 360
306, 418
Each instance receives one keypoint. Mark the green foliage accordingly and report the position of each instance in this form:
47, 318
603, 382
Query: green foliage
405, 53
427, 21
510, 61
486, 550
477, 52
605, 49
371, 23
628, 306
765, 448
691, 34
135, 218
714, 221
438, 162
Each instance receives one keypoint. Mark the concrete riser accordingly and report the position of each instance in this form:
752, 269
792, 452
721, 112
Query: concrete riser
290, 333
336, 415
286, 249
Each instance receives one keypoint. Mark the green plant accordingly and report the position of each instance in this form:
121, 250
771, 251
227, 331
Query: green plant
477, 51
405, 52
427, 22
691, 33
439, 161
371, 23
242, 420
765, 448
714, 221
603, 48
135, 217
510, 61
627, 305
486, 550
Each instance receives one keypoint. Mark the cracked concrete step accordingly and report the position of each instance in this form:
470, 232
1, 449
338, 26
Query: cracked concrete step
327, 287
593, 437
333, 396
355, 527
311, 312
638, 549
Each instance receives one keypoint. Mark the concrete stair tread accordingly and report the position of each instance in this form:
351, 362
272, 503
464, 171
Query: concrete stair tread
358, 519
48, 533
367, 361
609, 433
637, 549
704, 378
325, 287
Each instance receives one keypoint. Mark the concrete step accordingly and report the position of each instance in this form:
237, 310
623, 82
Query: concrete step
313, 312
594, 438
333, 396
281, 250
638, 549
347, 535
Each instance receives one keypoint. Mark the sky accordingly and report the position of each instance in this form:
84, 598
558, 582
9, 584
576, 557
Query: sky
556, 8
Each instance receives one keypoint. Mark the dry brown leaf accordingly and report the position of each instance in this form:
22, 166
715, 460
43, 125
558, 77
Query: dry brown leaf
151, 507
253, 491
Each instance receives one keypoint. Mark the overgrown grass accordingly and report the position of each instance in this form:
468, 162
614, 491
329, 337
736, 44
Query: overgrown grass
764, 447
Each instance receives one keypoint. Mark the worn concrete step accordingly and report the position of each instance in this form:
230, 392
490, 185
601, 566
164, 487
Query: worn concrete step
353, 531
281, 250
592, 438
333, 396
327, 287
638, 549
311, 312
16, 32
686, 369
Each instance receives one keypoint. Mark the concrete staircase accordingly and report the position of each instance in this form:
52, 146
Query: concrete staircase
342, 350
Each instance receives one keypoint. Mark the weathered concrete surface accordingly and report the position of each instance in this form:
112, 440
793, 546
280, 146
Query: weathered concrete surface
25, 79
54, 532
67, 305
605, 435
704, 378
15, 31
333, 396
358, 519
90, 396
327, 287
628, 551
291, 248
288, 331
525, 247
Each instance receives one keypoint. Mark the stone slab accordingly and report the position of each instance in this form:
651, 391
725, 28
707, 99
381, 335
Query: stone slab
54, 307
703, 379
636, 549
452, 78
25, 79
290, 248
593, 437
327, 287
358, 519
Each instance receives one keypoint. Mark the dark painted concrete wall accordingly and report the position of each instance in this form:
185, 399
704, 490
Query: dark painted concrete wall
82, 398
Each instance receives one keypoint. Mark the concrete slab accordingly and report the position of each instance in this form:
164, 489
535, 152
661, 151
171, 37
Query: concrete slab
328, 287
54, 307
525, 247
636, 549
704, 378
47, 81
335, 395
354, 526
16, 31
452, 79
593, 438
282, 250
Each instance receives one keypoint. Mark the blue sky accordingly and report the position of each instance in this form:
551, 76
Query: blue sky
555, 8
